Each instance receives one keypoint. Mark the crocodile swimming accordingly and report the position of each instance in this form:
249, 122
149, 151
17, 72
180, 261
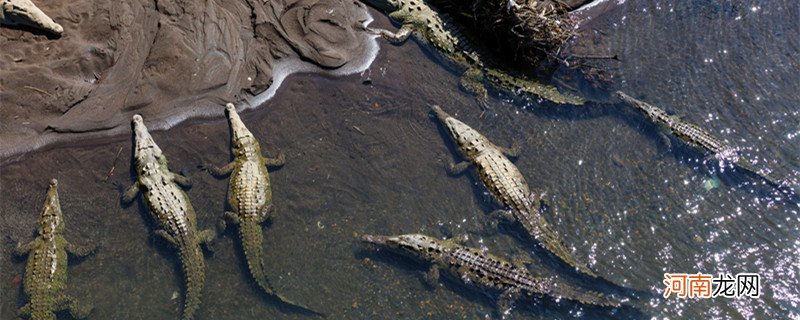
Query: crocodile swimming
486, 271
696, 137
428, 26
506, 184
250, 197
46, 274
171, 209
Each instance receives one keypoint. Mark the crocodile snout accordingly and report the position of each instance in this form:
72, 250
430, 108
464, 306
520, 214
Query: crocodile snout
368, 238
230, 108
440, 114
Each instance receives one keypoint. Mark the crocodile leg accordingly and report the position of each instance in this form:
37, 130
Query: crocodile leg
206, 236
472, 82
79, 251
499, 216
130, 193
231, 215
394, 37
220, 171
512, 152
457, 169
22, 250
278, 161
181, 180
266, 213
460, 239
223, 224
432, 276
506, 300
76, 309
25, 311
163, 234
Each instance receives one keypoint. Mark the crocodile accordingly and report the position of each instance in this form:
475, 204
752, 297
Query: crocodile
696, 137
46, 274
435, 29
171, 209
250, 197
506, 184
24, 12
486, 271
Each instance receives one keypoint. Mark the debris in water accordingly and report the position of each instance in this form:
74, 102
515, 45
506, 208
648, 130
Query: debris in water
712, 183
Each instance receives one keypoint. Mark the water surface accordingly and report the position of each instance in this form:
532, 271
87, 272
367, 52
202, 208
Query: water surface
365, 156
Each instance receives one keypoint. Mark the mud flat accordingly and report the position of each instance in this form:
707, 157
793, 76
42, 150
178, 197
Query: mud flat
169, 61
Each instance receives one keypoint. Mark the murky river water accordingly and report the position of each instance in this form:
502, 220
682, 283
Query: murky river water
366, 157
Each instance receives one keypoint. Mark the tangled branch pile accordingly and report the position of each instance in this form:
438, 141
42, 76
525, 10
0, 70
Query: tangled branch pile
534, 29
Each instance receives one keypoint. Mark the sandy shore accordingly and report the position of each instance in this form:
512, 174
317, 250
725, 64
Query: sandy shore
169, 61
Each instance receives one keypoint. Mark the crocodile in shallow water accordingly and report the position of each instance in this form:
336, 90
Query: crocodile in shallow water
250, 196
507, 184
46, 274
430, 27
171, 209
696, 137
489, 272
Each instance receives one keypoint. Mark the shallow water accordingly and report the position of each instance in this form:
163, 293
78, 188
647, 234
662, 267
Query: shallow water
617, 194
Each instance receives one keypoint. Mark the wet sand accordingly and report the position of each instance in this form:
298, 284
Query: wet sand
169, 62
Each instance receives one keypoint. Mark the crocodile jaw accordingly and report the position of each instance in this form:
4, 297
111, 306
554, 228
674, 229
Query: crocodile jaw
238, 129
415, 245
469, 141
373, 239
654, 113
51, 221
143, 143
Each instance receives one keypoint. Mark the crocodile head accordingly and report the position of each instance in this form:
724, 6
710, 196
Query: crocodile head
469, 141
51, 220
651, 111
415, 245
239, 132
146, 149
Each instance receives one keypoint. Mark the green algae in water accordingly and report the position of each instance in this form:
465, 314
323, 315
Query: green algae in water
711, 184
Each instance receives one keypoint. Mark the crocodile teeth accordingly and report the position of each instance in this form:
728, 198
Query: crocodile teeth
24, 12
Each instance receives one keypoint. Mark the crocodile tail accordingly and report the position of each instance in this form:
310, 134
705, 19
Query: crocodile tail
541, 230
194, 276
586, 297
252, 242
522, 86
747, 165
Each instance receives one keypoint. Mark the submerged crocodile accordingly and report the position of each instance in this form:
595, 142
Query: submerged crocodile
696, 137
250, 196
171, 209
46, 274
506, 184
489, 272
428, 26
